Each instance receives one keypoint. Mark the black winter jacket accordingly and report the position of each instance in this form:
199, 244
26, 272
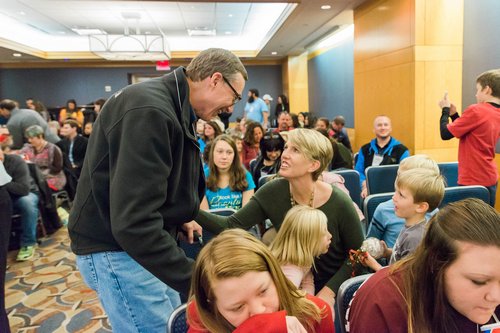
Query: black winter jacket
142, 178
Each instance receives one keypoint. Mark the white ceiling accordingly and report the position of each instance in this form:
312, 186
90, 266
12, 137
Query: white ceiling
42, 29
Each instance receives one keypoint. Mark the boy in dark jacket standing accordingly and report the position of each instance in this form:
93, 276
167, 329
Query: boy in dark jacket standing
141, 182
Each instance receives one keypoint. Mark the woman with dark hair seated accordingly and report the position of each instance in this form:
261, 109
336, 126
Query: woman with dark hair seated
269, 160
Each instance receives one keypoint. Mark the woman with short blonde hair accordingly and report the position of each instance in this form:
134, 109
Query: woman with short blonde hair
306, 154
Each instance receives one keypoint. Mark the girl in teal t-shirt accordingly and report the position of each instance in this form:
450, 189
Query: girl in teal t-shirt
229, 185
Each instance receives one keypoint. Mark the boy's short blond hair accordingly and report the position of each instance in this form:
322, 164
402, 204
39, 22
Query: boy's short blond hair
424, 185
418, 161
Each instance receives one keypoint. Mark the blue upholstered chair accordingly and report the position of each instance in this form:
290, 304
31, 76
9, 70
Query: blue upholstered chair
351, 178
371, 202
177, 321
449, 170
380, 179
456, 193
345, 295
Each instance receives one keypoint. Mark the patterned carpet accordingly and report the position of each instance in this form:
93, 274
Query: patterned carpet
47, 294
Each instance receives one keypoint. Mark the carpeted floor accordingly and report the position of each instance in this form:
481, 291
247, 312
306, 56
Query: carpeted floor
47, 294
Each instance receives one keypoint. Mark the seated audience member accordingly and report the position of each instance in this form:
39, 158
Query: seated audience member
229, 185
418, 191
54, 127
87, 130
71, 111
20, 119
450, 284
30, 103
478, 131
303, 236
251, 142
269, 160
301, 118
282, 105
306, 155
47, 156
200, 127
340, 133
24, 197
322, 124
342, 157
90, 114
284, 122
295, 121
5, 222
210, 131
73, 146
238, 286
385, 224
42, 110
239, 146
382, 150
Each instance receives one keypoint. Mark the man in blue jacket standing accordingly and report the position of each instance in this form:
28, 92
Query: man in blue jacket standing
383, 150
141, 182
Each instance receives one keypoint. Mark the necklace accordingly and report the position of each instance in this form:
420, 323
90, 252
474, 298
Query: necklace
311, 198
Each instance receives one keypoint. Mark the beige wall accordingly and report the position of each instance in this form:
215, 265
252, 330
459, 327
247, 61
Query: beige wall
406, 54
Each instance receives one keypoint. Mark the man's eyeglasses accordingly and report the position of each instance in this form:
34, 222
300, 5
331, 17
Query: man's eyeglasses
237, 97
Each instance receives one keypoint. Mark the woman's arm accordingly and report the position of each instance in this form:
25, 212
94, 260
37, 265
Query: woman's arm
247, 195
204, 203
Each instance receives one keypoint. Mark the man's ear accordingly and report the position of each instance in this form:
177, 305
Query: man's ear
215, 79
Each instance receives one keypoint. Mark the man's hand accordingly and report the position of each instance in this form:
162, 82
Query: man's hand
189, 228
364, 192
327, 295
445, 102
453, 109
293, 325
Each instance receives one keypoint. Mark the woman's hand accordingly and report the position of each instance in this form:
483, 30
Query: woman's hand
327, 295
293, 325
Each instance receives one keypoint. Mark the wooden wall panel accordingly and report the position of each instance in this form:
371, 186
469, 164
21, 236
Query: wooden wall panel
407, 53
298, 83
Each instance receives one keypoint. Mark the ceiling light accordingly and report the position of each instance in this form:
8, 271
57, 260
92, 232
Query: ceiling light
228, 32
17, 55
130, 47
274, 53
230, 15
87, 32
22, 13
326, 7
201, 32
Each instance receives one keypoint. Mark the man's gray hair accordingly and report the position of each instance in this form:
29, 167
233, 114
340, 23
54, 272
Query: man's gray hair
215, 60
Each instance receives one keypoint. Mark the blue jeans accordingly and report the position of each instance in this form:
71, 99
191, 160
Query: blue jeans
493, 194
133, 298
27, 207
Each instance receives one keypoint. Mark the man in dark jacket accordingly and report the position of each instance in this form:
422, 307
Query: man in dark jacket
73, 146
383, 150
141, 182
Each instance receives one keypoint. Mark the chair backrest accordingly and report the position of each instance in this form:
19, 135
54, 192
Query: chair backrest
371, 202
449, 170
177, 321
345, 295
456, 193
351, 178
252, 165
264, 179
192, 250
381, 178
